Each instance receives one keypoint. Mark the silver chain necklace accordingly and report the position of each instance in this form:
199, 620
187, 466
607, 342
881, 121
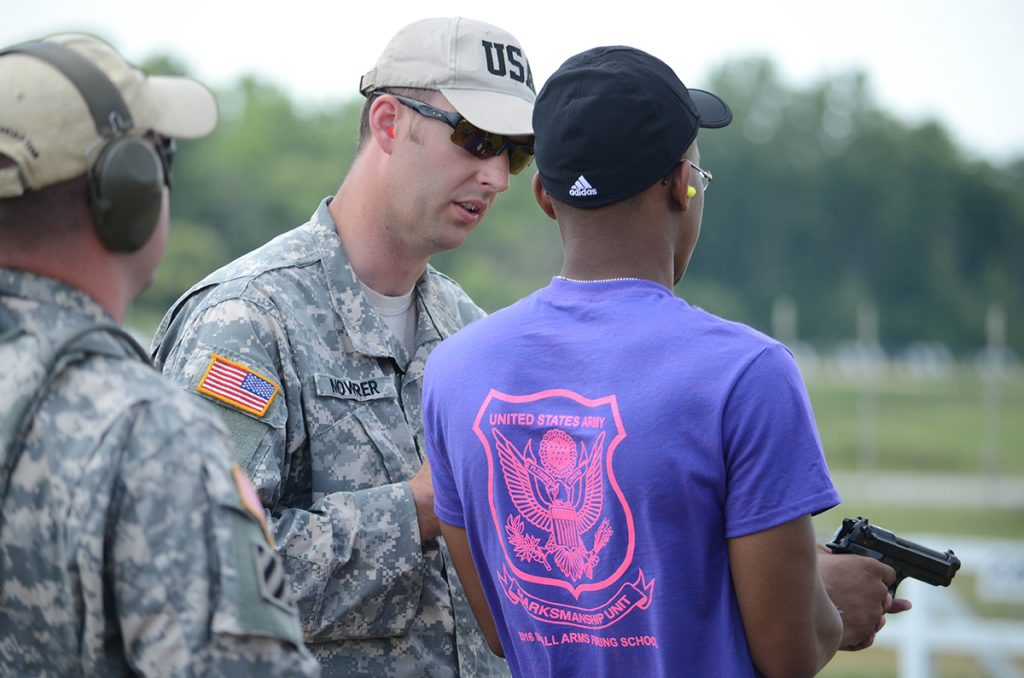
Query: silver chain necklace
574, 280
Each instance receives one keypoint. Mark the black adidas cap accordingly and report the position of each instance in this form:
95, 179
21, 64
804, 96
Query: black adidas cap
612, 121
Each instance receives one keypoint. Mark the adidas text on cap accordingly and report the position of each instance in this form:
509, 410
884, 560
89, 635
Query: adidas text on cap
612, 121
46, 127
481, 69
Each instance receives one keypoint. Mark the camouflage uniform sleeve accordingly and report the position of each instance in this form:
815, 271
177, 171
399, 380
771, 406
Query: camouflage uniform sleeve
198, 588
354, 558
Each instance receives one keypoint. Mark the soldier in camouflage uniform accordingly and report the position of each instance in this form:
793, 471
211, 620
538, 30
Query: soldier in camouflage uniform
129, 541
330, 324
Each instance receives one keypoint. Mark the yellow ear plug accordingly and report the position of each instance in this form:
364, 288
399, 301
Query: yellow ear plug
690, 191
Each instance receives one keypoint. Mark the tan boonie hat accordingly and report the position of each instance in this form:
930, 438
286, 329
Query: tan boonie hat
481, 69
46, 126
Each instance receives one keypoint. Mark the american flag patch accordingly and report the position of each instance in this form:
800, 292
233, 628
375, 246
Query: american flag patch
237, 385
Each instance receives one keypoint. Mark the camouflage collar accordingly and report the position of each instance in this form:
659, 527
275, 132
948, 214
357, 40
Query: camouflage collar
366, 330
48, 291
440, 308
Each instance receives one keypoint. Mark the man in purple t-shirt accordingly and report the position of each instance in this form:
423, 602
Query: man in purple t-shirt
633, 477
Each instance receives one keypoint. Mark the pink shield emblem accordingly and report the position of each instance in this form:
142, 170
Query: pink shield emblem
557, 508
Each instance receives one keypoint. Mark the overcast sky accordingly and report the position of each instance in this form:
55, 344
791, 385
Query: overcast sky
959, 62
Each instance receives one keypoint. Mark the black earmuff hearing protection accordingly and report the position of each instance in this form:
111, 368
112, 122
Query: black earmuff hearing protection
127, 176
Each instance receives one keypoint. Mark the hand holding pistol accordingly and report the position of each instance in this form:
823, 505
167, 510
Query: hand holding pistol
907, 558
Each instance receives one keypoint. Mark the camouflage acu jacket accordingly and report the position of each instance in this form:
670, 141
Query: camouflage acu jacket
323, 404
125, 543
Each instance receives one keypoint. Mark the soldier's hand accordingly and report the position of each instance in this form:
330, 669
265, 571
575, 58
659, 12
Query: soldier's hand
423, 496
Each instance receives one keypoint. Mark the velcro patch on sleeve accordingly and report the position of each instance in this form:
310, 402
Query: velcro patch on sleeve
236, 385
251, 500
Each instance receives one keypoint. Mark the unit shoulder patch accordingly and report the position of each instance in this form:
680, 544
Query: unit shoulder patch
250, 500
271, 578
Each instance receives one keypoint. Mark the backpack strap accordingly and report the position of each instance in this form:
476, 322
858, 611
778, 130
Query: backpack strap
65, 349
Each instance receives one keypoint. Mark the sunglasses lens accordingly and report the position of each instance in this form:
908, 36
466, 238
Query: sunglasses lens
519, 157
485, 145
476, 141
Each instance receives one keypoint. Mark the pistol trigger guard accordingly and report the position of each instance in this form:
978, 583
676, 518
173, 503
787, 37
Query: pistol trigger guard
892, 589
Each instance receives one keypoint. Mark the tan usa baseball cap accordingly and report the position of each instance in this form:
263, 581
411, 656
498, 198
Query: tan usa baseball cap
481, 69
46, 126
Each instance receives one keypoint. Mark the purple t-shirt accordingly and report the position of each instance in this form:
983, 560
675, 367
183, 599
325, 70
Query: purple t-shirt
600, 443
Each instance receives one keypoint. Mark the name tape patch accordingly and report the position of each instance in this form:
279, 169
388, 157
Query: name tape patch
372, 388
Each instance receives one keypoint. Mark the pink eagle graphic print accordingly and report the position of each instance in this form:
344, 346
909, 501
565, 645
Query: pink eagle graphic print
562, 495
557, 508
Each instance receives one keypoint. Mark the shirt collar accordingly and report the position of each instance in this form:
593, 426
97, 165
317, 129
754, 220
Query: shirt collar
50, 292
368, 333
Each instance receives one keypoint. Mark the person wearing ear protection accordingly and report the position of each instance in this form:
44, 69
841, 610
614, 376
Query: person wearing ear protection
312, 349
626, 482
129, 541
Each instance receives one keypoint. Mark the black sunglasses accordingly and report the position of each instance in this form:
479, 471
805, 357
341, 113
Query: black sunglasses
473, 139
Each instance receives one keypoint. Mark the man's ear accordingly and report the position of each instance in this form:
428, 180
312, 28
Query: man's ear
542, 197
383, 112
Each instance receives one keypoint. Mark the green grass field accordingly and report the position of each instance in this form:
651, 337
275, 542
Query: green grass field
926, 427
931, 425
879, 663
898, 424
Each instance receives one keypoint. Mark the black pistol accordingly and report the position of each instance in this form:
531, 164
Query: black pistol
907, 558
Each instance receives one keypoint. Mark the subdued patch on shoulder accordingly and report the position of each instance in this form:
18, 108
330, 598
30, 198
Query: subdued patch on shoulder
235, 384
270, 575
251, 500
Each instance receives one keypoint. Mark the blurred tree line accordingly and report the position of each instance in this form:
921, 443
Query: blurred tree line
820, 196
